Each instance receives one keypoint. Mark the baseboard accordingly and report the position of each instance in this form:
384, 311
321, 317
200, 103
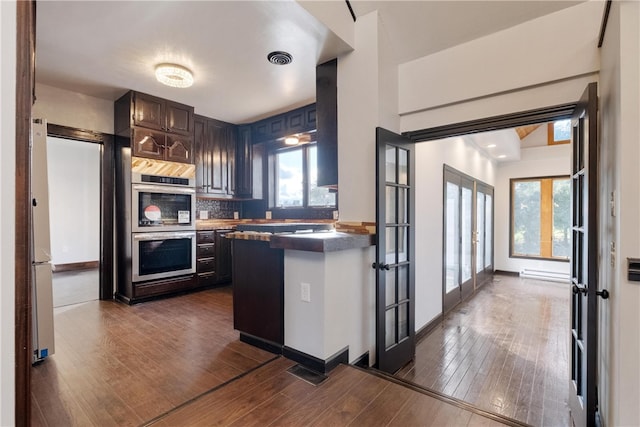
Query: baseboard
507, 273
424, 331
267, 345
314, 363
362, 361
75, 266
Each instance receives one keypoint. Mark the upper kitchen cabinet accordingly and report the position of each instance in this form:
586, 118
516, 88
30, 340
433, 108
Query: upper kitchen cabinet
215, 153
276, 127
244, 162
159, 129
327, 117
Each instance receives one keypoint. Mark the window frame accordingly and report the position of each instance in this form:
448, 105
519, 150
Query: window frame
512, 182
305, 209
551, 134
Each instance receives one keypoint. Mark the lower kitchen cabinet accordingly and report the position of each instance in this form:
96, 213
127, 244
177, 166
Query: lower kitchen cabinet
213, 257
258, 293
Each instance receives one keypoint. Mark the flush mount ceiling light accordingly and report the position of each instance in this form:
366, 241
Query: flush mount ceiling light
174, 75
280, 58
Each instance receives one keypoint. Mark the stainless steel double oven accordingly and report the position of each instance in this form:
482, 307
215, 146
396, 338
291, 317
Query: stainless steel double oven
163, 227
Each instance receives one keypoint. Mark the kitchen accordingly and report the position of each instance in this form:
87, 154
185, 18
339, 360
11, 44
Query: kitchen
212, 189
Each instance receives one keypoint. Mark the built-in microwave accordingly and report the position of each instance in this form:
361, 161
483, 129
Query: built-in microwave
163, 255
156, 207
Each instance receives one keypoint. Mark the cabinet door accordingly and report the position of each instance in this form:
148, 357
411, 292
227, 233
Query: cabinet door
179, 118
148, 111
223, 256
244, 156
148, 143
230, 135
178, 149
217, 148
202, 156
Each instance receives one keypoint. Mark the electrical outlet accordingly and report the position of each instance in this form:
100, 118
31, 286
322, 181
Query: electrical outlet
236, 215
267, 214
305, 292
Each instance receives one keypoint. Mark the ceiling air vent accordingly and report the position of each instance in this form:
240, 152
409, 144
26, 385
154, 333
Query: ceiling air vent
280, 58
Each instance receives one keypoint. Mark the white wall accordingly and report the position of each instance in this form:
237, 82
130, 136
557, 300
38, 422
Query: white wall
63, 107
461, 154
342, 300
534, 162
508, 60
7, 210
494, 75
74, 200
619, 174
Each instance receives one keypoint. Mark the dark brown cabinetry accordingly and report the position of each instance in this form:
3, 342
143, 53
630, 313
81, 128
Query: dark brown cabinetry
213, 257
158, 128
258, 293
327, 129
215, 152
244, 163
275, 127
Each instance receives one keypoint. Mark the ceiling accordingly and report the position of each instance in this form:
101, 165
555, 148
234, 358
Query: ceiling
103, 48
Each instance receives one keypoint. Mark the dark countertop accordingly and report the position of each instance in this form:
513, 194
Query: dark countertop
329, 241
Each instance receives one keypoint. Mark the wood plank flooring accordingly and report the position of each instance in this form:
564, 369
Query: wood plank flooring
505, 351
122, 365
271, 396
178, 362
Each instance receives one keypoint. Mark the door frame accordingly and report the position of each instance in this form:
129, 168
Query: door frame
477, 279
107, 180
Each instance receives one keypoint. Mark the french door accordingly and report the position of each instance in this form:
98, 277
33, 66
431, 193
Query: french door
467, 236
583, 399
483, 234
395, 254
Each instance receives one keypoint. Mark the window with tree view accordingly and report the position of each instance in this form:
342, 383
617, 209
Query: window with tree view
296, 177
540, 217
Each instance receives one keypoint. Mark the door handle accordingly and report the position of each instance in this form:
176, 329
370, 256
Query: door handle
579, 289
604, 294
380, 266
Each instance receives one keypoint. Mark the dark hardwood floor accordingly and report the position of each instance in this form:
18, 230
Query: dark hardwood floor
178, 362
505, 350
123, 365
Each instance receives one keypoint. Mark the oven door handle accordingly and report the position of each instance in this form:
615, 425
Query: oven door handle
164, 236
163, 189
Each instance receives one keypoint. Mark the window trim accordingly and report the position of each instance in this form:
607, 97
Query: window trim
512, 182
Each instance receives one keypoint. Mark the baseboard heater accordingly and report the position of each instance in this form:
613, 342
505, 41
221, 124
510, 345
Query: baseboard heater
551, 276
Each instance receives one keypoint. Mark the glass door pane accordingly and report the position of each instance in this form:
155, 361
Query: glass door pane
452, 237
480, 227
466, 241
488, 231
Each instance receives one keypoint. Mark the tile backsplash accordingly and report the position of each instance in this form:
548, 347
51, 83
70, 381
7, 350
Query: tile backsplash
219, 209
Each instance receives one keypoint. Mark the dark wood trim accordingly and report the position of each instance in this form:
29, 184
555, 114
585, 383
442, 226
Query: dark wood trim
107, 189
362, 361
76, 134
266, 345
444, 398
353, 15
430, 326
25, 74
314, 363
76, 266
506, 273
505, 121
605, 20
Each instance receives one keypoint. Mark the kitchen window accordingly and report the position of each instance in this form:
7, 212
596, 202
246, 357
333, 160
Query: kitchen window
295, 179
540, 218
